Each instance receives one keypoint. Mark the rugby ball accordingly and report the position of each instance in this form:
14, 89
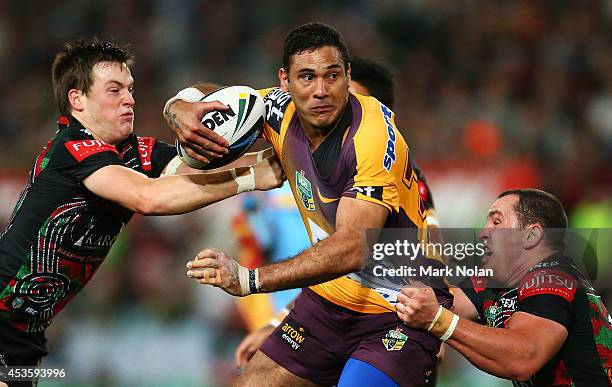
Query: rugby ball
239, 125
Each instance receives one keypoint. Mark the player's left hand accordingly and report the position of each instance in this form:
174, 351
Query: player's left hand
269, 173
417, 307
250, 344
214, 267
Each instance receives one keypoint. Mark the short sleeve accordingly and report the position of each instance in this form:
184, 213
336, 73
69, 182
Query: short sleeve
276, 102
375, 177
548, 293
154, 155
81, 157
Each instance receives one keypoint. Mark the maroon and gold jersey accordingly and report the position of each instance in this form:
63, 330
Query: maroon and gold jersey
373, 164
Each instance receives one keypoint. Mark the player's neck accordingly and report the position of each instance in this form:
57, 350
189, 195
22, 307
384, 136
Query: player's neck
316, 135
527, 261
96, 132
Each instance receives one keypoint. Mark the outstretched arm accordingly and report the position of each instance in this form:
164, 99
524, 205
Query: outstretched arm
170, 195
342, 253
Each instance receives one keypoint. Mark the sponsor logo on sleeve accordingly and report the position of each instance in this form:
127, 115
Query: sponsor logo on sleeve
375, 192
276, 102
292, 333
390, 157
548, 281
145, 149
82, 149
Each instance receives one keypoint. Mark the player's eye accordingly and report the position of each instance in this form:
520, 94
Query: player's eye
131, 90
334, 75
307, 77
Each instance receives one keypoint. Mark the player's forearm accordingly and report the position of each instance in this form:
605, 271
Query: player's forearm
338, 255
170, 195
247, 160
500, 352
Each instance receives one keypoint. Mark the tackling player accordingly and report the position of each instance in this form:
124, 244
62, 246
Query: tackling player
545, 325
84, 187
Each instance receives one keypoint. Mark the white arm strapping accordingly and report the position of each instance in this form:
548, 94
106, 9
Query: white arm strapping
190, 94
245, 183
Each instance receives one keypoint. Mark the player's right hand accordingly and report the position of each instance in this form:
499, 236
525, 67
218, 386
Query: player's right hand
417, 307
199, 142
250, 344
214, 267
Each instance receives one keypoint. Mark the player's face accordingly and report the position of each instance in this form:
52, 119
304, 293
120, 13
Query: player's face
318, 83
502, 238
109, 104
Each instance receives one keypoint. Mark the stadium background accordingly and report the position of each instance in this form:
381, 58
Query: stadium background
489, 94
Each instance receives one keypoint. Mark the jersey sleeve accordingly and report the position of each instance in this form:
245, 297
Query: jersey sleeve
376, 146
276, 102
154, 155
80, 156
548, 293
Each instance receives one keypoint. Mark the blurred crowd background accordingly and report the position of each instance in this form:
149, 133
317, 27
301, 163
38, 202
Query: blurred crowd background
489, 94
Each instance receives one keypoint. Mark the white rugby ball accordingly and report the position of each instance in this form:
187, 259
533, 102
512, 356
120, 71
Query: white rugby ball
239, 125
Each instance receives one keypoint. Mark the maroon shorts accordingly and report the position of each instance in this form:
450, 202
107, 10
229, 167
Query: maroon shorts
318, 337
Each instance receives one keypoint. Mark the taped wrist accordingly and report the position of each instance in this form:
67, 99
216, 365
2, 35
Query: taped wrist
444, 324
245, 183
249, 280
190, 94
260, 155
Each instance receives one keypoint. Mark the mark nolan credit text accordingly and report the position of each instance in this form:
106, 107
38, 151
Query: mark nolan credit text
428, 271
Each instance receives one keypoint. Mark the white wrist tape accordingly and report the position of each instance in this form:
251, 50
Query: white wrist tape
249, 280
245, 183
190, 94
451, 328
433, 322
260, 155
243, 277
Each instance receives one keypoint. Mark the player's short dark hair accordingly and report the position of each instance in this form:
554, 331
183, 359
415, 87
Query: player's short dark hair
374, 77
311, 36
537, 206
73, 65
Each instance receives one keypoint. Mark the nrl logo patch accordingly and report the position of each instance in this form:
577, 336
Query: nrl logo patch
305, 190
395, 340
492, 315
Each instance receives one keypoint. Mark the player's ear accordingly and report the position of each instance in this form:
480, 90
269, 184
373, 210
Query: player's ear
283, 78
348, 72
76, 99
534, 233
